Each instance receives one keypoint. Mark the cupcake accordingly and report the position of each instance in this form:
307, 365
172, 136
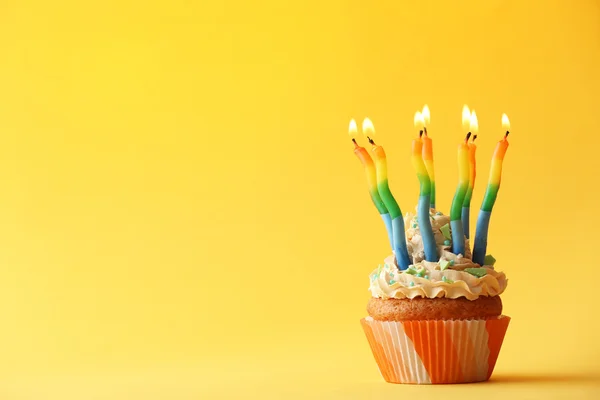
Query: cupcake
435, 322
435, 315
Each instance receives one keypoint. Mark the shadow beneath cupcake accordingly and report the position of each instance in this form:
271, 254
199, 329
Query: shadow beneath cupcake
544, 378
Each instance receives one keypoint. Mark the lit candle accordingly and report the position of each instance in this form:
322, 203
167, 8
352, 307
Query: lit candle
399, 238
483, 221
428, 154
429, 245
466, 208
458, 237
367, 162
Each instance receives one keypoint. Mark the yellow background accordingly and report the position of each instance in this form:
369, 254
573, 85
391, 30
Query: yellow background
182, 215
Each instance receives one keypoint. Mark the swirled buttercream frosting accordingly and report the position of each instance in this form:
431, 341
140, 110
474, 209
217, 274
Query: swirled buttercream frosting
452, 276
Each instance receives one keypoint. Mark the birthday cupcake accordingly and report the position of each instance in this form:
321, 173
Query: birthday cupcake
435, 322
439, 318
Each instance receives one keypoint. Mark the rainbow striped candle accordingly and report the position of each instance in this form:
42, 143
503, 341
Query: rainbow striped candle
429, 245
428, 153
466, 208
458, 236
483, 221
399, 237
364, 157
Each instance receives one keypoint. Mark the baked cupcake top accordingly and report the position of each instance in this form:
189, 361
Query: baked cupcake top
453, 276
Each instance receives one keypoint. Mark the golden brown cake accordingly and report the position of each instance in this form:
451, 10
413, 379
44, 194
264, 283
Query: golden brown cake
421, 308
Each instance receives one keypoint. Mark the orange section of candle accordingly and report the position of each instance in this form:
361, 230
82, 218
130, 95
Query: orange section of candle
427, 148
496, 169
463, 163
472, 175
371, 175
428, 159
417, 149
472, 164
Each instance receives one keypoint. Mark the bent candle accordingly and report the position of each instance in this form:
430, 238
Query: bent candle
428, 153
466, 208
399, 237
429, 245
458, 237
364, 157
491, 192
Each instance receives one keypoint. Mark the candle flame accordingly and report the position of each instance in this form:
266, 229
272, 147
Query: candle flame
425, 114
473, 124
419, 121
352, 128
505, 122
367, 128
466, 117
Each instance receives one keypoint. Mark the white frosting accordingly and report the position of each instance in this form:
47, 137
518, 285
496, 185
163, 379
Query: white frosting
428, 278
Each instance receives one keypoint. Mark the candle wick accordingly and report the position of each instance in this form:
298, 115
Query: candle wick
425, 129
505, 136
420, 134
371, 140
474, 137
354, 141
468, 136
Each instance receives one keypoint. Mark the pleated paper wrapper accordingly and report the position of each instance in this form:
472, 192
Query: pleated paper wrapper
438, 351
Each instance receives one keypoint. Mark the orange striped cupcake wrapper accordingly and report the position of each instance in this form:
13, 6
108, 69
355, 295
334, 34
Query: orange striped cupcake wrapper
442, 351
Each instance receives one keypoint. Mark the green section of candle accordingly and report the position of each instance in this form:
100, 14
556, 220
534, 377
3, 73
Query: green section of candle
378, 201
468, 195
457, 202
490, 197
388, 199
425, 184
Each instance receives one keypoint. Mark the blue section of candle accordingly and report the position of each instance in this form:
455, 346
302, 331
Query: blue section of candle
465, 217
429, 245
481, 234
387, 220
399, 245
458, 237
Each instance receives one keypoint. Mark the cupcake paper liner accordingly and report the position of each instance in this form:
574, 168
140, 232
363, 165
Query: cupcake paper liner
438, 351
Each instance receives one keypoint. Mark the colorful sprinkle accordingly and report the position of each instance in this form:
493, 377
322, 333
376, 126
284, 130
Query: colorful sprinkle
447, 280
421, 273
414, 225
438, 213
446, 242
411, 284
452, 263
392, 282
489, 260
478, 272
446, 231
426, 277
444, 264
